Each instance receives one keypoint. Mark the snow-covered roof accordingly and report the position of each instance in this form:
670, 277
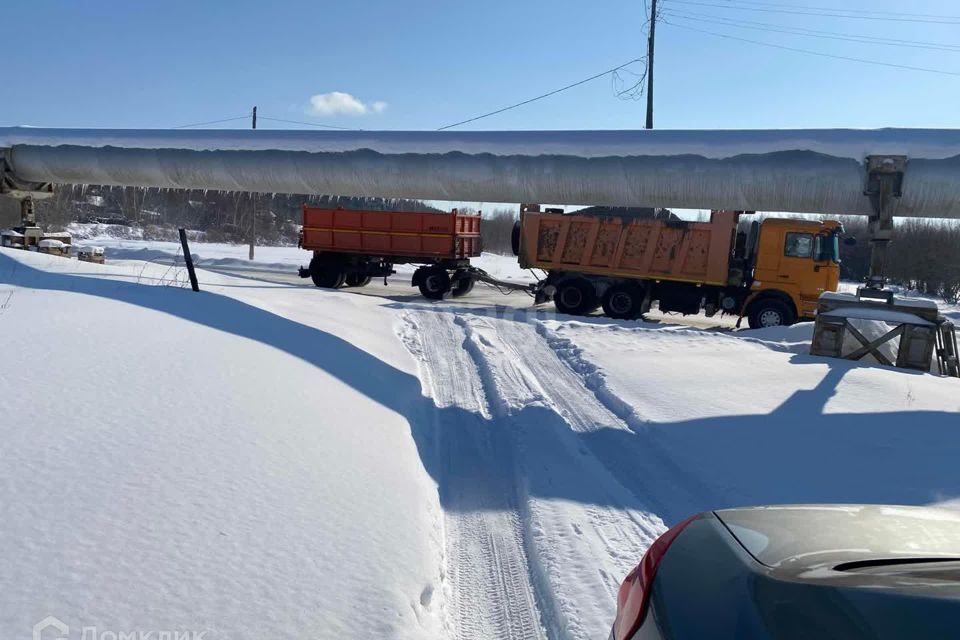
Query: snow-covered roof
900, 301
58, 234
879, 314
51, 244
10, 233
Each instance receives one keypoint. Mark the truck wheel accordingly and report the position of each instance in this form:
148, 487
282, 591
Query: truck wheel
515, 238
356, 280
575, 296
770, 312
462, 287
623, 301
434, 284
326, 273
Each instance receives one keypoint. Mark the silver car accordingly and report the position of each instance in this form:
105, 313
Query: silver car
798, 572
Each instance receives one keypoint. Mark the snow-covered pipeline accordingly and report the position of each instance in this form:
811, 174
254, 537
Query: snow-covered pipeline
818, 170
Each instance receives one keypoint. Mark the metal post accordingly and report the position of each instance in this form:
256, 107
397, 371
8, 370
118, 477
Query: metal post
884, 183
650, 47
188, 259
28, 217
253, 202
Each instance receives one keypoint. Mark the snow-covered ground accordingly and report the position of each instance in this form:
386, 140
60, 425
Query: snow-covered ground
269, 460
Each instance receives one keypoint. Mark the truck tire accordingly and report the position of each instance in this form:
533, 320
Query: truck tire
326, 273
770, 312
356, 280
515, 238
623, 301
435, 283
462, 287
575, 296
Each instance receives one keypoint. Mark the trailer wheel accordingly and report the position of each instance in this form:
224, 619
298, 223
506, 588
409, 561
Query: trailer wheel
434, 283
356, 280
462, 287
575, 296
515, 238
770, 312
623, 301
326, 273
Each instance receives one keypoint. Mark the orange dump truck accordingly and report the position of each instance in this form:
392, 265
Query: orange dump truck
351, 247
772, 273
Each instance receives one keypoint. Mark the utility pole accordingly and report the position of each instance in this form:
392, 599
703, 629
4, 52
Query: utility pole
253, 203
650, 41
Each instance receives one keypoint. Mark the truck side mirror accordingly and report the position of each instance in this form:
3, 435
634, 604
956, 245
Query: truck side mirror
849, 241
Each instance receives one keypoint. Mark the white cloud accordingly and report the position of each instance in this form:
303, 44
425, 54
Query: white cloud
340, 103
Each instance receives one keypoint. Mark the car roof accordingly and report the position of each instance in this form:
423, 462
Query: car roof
805, 537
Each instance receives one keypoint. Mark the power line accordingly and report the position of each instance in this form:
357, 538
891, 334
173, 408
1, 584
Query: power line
541, 97
815, 53
820, 14
813, 33
633, 92
309, 124
854, 11
200, 124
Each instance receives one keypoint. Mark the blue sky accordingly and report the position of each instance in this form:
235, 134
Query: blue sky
161, 64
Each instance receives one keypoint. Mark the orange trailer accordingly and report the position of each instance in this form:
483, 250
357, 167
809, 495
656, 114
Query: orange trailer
350, 247
421, 235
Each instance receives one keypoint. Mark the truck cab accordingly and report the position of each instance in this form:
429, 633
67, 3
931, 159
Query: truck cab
795, 261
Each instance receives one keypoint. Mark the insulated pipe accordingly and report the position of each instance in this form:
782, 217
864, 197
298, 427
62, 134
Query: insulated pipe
807, 171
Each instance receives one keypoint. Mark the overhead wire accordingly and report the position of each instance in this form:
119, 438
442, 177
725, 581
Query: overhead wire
814, 33
814, 53
822, 14
857, 11
200, 124
637, 90
309, 124
540, 97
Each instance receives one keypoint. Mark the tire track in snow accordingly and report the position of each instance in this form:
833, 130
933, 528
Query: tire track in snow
650, 459
579, 553
488, 591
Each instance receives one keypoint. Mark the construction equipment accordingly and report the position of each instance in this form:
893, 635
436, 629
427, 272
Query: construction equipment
773, 274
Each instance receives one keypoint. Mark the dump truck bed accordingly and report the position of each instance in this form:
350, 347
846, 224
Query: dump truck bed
391, 233
642, 248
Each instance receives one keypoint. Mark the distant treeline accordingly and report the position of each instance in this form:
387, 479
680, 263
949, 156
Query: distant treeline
924, 255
